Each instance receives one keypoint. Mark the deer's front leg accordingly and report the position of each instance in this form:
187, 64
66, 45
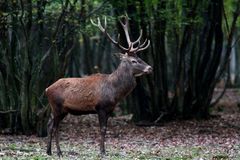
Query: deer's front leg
103, 117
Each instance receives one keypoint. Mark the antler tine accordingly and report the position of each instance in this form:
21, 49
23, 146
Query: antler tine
140, 46
116, 42
93, 23
105, 22
103, 29
143, 44
98, 24
141, 49
139, 38
118, 37
125, 28
130, 50
118, 45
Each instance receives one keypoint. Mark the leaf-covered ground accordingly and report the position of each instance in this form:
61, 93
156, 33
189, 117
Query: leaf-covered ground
217, 138
213, 139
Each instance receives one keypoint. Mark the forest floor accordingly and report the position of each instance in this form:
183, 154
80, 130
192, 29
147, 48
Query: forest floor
213, 139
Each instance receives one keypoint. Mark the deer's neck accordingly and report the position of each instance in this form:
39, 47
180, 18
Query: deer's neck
122, 80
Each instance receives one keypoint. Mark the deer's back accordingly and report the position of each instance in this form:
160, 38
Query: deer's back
77, 94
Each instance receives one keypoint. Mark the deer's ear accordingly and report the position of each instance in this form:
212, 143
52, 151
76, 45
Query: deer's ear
120, 55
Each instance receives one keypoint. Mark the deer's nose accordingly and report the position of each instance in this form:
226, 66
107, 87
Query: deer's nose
148, 69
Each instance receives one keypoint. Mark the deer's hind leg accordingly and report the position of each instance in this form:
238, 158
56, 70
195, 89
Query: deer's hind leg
50, 132
53, 126
57, 121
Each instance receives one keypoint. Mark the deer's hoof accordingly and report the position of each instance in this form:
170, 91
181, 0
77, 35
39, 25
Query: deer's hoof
59, 153
102, 152
49, 152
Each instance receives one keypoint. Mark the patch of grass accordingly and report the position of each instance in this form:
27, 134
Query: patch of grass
131, 148
39, 158
12, 146
220, 157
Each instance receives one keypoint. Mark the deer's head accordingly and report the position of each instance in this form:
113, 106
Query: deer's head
129, 55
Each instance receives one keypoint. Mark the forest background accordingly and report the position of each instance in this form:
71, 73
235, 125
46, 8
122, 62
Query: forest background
194, 46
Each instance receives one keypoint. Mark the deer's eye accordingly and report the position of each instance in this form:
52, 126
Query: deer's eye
134, 61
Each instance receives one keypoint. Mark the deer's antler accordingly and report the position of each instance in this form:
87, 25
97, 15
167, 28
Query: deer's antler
131, 49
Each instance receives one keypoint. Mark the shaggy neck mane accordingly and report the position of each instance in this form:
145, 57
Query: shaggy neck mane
122, 79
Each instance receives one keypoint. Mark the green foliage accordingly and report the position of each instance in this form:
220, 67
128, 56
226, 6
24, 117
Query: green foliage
229, 9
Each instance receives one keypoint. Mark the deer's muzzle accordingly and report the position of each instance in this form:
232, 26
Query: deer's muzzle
148, 70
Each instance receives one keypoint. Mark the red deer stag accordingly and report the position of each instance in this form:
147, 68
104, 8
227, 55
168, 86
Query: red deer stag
97, 93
